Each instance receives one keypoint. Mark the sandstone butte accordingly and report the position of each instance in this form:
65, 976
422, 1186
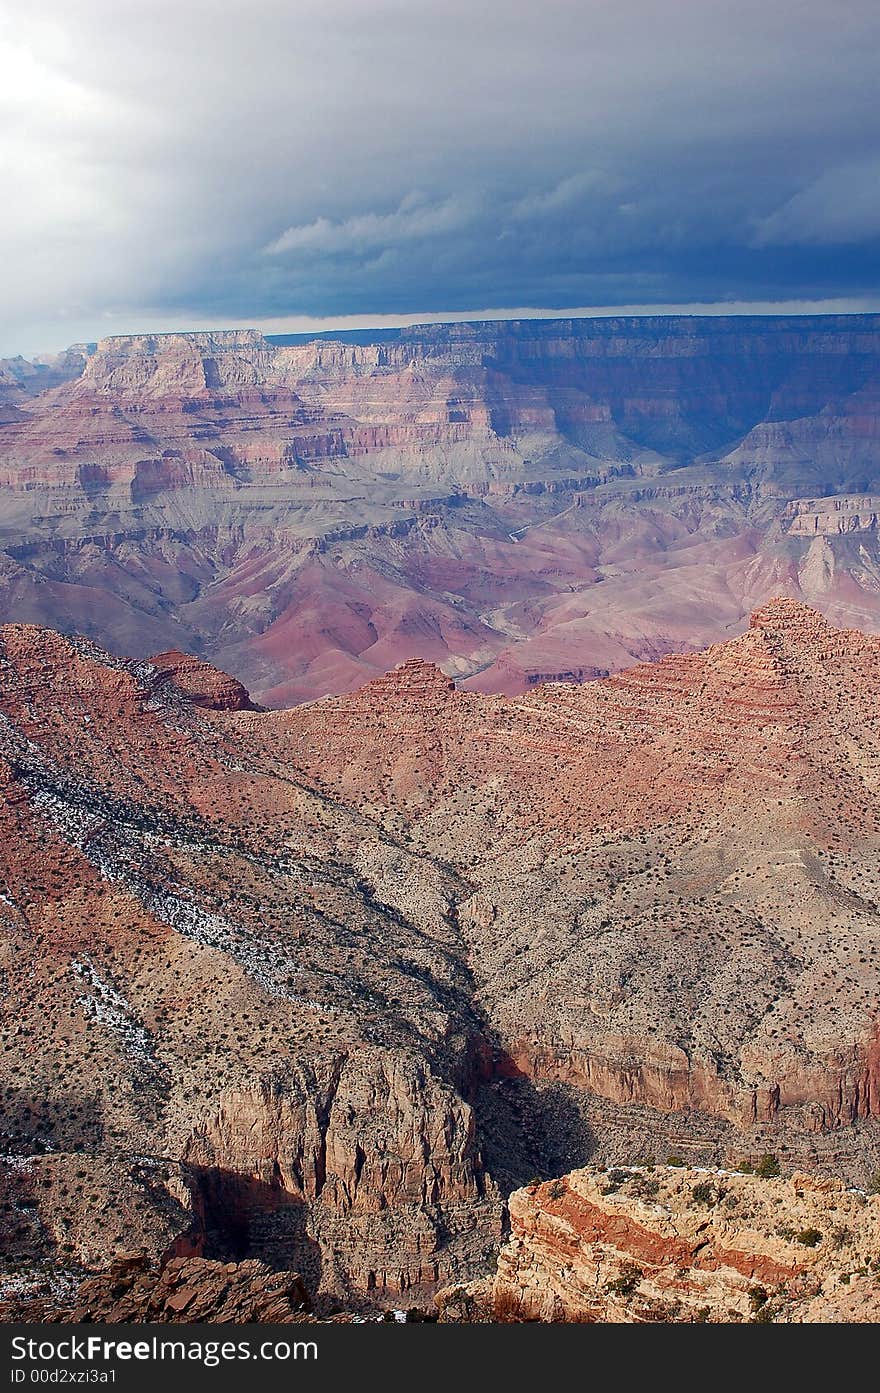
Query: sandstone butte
318, 988
513, 501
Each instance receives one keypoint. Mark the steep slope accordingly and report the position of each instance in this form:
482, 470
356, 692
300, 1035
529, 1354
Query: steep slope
673, 870
218, 1036
317, 987
513, 501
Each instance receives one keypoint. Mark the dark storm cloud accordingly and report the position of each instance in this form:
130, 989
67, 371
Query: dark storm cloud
244, 160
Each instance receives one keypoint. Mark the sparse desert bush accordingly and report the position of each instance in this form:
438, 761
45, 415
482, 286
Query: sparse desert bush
810, 1238
704, 1193
644, 1186
768, 1167
614, 1180
626, 1281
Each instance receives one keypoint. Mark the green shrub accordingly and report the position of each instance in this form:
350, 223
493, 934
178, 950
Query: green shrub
768, 1166
811, 1238
644, 1186
615, 1179
626, 1281
704, 1193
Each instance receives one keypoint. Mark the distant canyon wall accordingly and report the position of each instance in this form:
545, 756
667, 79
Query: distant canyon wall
517, 501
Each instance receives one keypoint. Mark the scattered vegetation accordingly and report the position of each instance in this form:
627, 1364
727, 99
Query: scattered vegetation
614, 1180
626, 1281
810, 1238
643, 1187
704, 1193
768, 1167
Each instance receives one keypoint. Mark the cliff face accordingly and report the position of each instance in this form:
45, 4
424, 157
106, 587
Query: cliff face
656, 1244
514, 501
381, 1159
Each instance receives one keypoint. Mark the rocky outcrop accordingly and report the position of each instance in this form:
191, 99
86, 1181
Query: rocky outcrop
659, 1244
836, 516
203, 684
131, 1291
413, 683
383, 1157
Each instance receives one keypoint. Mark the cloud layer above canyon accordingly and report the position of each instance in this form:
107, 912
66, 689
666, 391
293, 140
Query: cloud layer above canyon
247, 161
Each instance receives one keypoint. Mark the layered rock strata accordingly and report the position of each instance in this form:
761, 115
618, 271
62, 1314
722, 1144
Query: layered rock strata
655, 1245
514, 501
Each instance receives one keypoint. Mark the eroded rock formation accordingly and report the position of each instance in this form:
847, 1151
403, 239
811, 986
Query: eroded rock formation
659, 1244
316, 988
182, 1290
203, 684
513, 501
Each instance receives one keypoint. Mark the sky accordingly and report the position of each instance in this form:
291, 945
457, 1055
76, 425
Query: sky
307, 163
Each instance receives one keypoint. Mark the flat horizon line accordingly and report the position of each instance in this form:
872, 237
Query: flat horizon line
307, 327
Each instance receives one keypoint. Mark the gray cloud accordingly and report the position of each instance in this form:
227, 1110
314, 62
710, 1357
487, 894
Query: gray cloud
246, 160
416, 219
841, 206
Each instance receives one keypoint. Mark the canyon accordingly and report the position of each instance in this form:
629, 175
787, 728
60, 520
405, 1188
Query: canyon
515, 502
319, 988
440, 783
